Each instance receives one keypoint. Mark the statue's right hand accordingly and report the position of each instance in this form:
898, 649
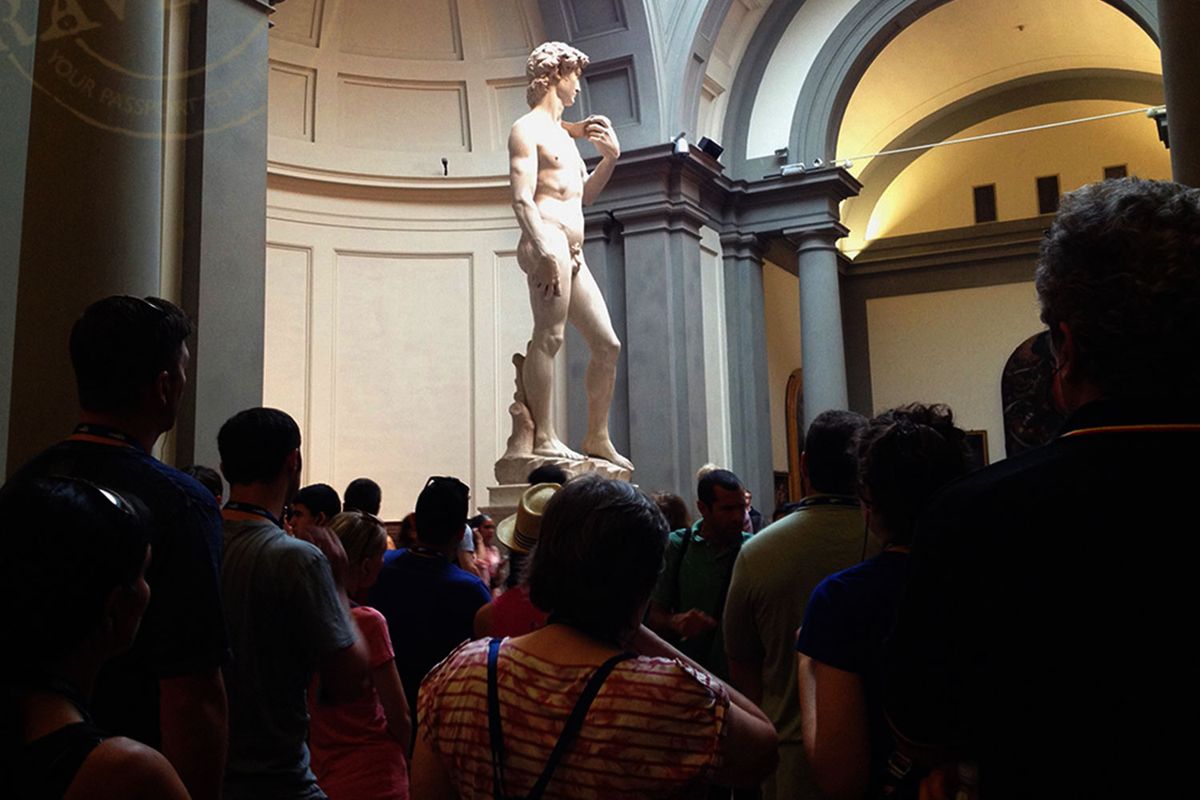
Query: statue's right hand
545, 278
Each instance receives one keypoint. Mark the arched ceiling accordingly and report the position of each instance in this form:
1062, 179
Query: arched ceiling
970, 61
380, 91
935, 191
966, 46
807, 57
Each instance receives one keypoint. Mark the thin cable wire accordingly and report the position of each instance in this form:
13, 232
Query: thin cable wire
1030, 129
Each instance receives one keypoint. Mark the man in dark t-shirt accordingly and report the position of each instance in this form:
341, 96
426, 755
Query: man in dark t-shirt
130, 359
1042, 640
428, 600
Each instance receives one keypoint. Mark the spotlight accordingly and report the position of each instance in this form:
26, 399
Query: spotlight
681, 144
792, 169
710, 147
818, 163
1159, 115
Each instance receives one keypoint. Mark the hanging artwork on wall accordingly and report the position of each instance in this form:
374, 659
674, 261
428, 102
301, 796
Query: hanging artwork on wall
1030, 418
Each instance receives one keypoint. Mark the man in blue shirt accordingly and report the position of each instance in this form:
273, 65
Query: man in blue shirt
428, 600
130, 358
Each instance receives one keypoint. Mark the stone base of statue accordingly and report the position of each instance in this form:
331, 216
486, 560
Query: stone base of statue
519, 459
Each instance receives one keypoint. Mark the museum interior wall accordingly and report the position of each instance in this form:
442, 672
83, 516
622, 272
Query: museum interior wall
393, 299
386, 299
923, 341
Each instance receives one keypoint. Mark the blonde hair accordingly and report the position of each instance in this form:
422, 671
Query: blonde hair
363, 535
704, 470
549, 62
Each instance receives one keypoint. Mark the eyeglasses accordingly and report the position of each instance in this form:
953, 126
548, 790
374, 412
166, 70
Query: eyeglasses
112, 498
146, 301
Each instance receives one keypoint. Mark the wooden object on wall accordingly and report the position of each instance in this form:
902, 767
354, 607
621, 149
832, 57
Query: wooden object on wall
1030, 418
795, 431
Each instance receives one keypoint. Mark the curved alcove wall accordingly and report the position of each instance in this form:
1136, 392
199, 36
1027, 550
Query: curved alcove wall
394, 302
377, 91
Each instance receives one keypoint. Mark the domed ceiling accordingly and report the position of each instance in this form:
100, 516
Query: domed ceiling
380, 91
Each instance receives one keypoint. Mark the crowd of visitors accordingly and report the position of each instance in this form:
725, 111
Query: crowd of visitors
905, 629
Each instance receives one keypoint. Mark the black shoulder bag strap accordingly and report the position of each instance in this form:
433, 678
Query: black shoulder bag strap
565, 740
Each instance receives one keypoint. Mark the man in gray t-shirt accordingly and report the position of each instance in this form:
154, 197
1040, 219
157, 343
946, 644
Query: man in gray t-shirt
286, 610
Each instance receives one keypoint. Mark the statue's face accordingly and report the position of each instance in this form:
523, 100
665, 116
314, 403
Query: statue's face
568, 88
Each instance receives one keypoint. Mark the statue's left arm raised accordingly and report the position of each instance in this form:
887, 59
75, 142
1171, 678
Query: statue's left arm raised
597, 129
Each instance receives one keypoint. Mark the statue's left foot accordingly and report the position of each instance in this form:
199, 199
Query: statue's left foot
603, 448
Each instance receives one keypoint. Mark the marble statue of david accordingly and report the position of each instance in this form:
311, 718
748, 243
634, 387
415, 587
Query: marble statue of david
550, 186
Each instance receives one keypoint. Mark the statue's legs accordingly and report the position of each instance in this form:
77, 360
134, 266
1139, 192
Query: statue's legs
589, 315
549, 324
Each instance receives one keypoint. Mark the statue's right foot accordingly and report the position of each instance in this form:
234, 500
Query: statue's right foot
553, 448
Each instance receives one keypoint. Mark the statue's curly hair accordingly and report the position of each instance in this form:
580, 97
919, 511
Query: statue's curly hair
547, 63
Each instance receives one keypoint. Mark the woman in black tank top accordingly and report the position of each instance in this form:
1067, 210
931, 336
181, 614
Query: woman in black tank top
73, 559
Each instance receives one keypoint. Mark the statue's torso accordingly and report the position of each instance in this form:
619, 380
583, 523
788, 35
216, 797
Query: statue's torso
559, 192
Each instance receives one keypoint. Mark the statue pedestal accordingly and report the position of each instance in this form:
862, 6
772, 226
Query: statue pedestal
519, 459
512, 470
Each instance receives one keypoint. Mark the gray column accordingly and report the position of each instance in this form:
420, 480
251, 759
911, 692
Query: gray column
822, 349
1179, 32
17, 33
746, 348
665, 347
224, 240
605, 257
92, 200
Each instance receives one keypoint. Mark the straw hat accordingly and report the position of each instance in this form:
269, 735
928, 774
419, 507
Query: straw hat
519, 532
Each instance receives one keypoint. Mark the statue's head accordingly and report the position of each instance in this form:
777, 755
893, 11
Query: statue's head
549, 63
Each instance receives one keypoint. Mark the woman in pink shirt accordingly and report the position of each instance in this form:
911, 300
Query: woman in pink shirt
359, 748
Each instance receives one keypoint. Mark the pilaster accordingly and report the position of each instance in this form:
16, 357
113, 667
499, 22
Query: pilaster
746, 347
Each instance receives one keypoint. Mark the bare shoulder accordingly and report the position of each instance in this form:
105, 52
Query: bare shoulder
524, 134
123, 768
529, 124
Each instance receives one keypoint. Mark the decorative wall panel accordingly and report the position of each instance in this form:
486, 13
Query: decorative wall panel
292, 90
513, 323
507, 27
611, 90
414, 29
286, 323
386, 114
402, 390
299, 21
506, 101
588, 18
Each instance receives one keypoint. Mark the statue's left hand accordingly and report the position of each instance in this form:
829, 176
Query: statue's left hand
600, 133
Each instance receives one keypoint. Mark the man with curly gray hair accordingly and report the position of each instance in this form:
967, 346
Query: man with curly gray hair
550, 186
1044, 625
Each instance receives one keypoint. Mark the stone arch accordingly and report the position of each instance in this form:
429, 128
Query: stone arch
843, 59
855, 43
1032, 90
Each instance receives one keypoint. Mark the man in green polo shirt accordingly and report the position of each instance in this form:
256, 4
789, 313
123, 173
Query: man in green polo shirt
688, 601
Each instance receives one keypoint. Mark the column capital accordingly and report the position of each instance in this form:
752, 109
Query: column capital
817, 235
662, 215
599, 225
265, 6
738, 244
655, 189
